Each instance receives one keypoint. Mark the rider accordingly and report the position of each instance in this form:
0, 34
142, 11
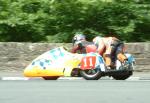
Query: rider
81, 45
109, 46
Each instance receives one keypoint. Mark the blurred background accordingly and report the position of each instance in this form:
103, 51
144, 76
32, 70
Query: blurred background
56, 21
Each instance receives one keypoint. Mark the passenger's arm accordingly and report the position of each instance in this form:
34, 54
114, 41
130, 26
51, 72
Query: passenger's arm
101, 48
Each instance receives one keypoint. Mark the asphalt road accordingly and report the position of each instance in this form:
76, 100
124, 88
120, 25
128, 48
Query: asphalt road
75, 91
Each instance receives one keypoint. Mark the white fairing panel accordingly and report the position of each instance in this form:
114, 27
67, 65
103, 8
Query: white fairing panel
130, 58
131, 61
118, 64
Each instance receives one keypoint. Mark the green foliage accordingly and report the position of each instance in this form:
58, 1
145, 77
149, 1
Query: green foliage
58, 20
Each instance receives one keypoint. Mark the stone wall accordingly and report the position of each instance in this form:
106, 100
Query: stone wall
141, 52
16, 56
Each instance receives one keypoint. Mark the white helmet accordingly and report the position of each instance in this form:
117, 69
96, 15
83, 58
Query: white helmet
78, 37
96, 40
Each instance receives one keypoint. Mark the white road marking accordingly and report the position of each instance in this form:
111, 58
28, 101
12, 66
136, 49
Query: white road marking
133, 78
74, 78
14, 78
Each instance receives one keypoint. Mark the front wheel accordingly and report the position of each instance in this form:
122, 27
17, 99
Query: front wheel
92, 74
50, 77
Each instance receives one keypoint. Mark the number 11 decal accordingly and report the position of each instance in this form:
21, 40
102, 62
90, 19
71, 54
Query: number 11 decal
88, 62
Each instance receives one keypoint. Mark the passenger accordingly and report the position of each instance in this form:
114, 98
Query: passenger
108, 47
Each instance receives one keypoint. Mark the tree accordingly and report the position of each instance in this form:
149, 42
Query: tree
58, 20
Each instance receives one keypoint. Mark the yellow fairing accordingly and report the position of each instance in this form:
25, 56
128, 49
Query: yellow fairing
70, 65
37, 72
66, 71
57, 62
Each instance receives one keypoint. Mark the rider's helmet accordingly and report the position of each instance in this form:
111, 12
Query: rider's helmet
78, 37
96, 40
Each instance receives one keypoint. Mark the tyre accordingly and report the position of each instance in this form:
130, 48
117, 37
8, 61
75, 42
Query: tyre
126, 74
50, 78
92, 74
123, 76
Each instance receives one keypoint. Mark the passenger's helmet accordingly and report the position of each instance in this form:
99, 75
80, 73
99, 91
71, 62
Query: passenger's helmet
78, 37
96, 40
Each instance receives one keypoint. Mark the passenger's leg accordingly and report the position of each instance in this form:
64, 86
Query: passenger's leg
120, 53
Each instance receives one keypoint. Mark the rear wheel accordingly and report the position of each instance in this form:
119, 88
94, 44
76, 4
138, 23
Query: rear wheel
123, 76
92, 74
128, 71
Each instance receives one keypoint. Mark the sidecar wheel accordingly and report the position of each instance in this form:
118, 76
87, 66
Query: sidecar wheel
123, 76
50, 78
93, 74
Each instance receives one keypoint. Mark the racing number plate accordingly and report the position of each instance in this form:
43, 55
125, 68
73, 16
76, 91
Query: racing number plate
88, 62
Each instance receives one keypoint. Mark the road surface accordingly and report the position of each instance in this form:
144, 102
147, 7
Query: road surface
75, 91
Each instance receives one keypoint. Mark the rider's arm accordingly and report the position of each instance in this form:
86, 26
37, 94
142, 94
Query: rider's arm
101, 47
74, 49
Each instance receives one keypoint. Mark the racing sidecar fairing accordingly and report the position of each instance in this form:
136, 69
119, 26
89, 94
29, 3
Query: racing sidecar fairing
59, 62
